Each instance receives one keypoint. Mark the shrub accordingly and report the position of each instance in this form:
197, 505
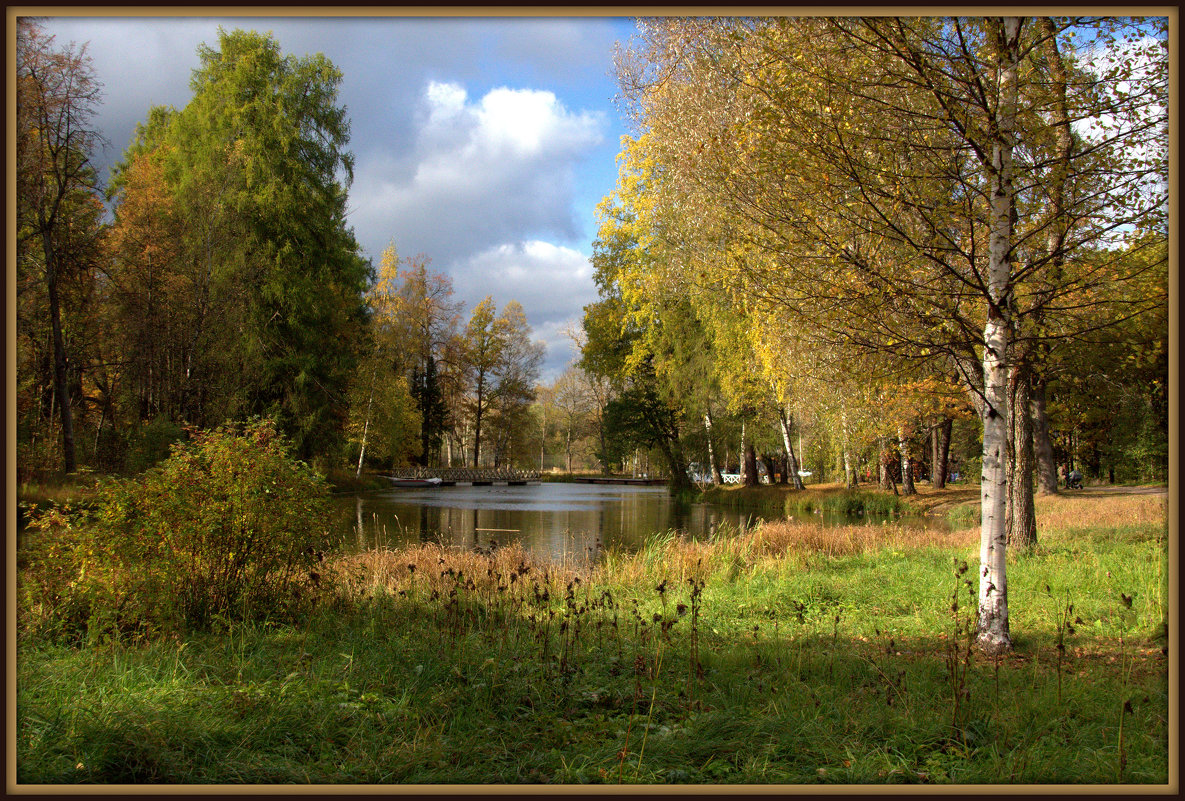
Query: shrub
228, 527
846, 502
151, 444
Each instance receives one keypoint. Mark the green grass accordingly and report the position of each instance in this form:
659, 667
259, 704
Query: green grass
796, 661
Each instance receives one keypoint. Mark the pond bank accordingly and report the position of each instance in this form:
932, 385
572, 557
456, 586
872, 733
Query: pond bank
786, 501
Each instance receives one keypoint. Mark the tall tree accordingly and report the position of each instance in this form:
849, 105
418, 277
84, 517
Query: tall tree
483, 352
56, 98
382, 412
257, 167
428, 319
516, 374
573, 401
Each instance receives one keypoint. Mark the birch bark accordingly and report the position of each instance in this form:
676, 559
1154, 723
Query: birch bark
993, 634
717, 479
907, 487
791, 458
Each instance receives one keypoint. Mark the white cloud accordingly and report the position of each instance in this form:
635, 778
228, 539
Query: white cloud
552, 282
445, 101
480, 173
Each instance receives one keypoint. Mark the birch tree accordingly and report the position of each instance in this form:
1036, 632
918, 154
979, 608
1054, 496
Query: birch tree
875, 164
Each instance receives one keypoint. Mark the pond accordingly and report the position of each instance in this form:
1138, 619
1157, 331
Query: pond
555, 521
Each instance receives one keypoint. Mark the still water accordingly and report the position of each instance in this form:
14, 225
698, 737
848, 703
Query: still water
552, 520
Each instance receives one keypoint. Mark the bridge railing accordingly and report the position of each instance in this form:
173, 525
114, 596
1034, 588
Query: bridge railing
468, 473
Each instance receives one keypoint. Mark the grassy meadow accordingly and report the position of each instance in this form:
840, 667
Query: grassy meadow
785, 654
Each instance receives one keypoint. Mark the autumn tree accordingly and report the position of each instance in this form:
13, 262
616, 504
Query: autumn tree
255, 168
573, 401
58, 211
483, 350
516, 374
892, 174
427, 318
383, 414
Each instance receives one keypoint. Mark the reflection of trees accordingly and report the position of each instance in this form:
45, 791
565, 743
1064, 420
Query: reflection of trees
425, 534
616, 519
360, 527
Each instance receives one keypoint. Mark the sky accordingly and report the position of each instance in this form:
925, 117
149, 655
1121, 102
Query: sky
483, 143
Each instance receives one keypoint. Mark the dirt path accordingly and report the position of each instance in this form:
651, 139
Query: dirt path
1096, 491
939, 502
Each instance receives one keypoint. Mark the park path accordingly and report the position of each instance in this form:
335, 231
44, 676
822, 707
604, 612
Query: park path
939, 503
1112, 490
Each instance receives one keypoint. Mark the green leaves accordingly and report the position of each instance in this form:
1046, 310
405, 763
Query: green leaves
228, 526
253, 168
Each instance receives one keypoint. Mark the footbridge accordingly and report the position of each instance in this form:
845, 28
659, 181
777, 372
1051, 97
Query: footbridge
469, 475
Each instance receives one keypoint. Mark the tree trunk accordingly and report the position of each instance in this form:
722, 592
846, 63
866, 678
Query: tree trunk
994, 635
932, 443
366, 423
717, 479
849, 469
61, 384
1042, 446
907, 487
941, 452
477, 415
1063, 150
884, 459
787, 422
750, 477
749, 468
1020, 516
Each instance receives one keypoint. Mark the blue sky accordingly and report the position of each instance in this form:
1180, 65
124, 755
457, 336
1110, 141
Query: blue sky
484, 143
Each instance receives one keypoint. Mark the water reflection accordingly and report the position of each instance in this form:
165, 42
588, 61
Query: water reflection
555, 521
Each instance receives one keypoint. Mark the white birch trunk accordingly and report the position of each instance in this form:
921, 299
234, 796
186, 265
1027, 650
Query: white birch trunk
742, 471
366, 425
993, 584
792, 460
907, 487
849, 470
713, 468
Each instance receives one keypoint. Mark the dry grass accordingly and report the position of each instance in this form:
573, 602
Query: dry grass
432, 568
782, 538
1066, 512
